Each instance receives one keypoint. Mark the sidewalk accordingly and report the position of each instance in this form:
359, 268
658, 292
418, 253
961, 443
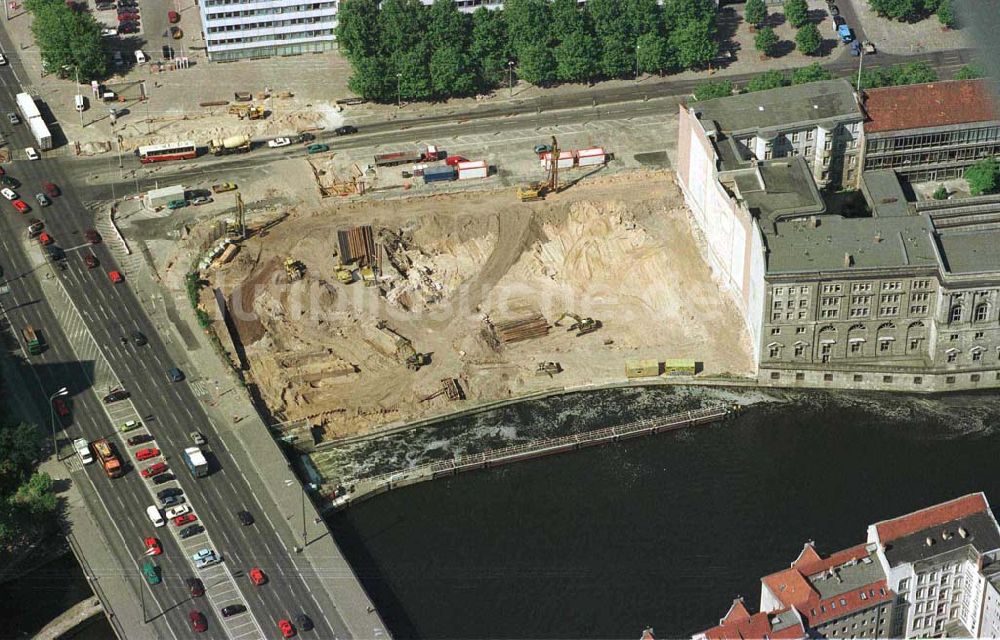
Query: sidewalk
261, 462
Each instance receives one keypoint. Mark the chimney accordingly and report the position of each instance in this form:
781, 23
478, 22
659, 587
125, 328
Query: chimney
946, 535
878, 237
929, 541
962, 532
813, 222
848, 260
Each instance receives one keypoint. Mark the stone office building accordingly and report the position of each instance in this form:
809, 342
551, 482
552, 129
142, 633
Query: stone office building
930, 131
907, 298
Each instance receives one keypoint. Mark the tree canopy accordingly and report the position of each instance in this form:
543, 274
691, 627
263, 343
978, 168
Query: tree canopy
970, 72
436, 52
808, 39
766, 80
765, 40
983, 177
811, 73
713, 89
796, 12
755, 12
70, 41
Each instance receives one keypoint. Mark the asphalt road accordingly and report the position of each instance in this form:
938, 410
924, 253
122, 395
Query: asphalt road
170, 410
94, 174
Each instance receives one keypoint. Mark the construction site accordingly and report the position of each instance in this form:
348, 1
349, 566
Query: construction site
362, 311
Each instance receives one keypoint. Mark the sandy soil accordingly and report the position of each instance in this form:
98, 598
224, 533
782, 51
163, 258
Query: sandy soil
617, 249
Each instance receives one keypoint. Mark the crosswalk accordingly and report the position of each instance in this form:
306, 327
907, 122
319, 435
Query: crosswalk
129, 263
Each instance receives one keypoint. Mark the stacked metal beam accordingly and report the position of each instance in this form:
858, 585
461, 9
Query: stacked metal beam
357, 245
534, 326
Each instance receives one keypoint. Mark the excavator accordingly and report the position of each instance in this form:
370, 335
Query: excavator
295, 269
582, 326
538, 190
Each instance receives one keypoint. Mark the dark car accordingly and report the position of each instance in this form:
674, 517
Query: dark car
50, 189
246, 518
126, 16
163, 477
56, 253
139, 339
141, 439
175, 375
166, 493
191, 530
92, 236
10, 181
306, 137
232, 610
173, 500
90, 260
167, 51
127, 27
834, 9
346, 130
304, 622
116, 396
198, 622
196, 587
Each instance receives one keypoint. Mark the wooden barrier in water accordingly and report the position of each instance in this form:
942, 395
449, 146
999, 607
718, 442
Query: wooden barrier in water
363, 488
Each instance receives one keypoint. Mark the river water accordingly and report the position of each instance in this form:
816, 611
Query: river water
660, 531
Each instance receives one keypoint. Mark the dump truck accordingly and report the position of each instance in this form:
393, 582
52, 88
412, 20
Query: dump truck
430, 153
31, 340
196, 462
232, 144
246, 111
110, 462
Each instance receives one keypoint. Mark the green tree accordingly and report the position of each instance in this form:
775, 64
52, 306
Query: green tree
713, 89
451, 72
903, 10
567, 18
913, 73
537, 64
36, 496
941, 193
413, 67
644, 17
755, 13
527, 24
612, 29
447, 26
693, 44
766, 80
575, 59
765, 40
357, 28
653, 52
489, 46
402, 27
372, 79
945, 13
796, 12
808, 39
983, 176
20, 451
70, 42
970, 72
811, 73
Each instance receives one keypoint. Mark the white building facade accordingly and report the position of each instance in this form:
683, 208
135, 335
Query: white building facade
241, 29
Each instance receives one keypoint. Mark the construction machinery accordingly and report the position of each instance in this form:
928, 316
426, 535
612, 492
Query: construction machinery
548, 369
582, 326
345, 273
295, 269
247, 111
404, 349
538, 190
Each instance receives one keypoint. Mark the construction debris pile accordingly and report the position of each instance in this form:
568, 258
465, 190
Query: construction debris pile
503, 333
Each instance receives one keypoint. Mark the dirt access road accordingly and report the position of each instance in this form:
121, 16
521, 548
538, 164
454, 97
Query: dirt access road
618, 249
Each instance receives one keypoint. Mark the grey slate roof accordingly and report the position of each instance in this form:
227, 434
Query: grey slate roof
983, 537
781, 109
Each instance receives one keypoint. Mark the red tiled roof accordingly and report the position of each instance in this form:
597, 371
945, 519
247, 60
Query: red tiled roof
934, 104
790, 587
738, 624
809, 564
931, 517
846, 603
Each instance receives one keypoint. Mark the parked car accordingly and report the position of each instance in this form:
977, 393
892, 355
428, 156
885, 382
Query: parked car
10, 181
90, 260
45, 239
50, 189
116, 277
182, 520
177, 204
165, 477
21, 206
43, 200
59, 405
139, 338
173, 17
147, 453
231, 610
129, 425
35, 226
31, 153
222, 187
116, 396
197, 438
200, 200
306, 137
304, 622
278, 142
317, 148
191, 530
3, 60
171, 501
12, 118
154, 470
142, 439
166, 493
127, 27
345, 130
9, 194
205, 558
178, 512
175, 375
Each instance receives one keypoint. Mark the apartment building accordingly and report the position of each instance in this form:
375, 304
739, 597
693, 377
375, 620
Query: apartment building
930, 131
863, 291
240, 29
930, 573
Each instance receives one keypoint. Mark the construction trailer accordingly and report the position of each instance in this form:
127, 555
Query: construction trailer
471, 170
645, 368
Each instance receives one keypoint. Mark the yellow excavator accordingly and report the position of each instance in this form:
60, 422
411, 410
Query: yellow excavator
538, 190
582, 326
295, 269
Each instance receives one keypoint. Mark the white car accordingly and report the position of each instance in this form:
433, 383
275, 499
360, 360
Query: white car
3, 59
9, 194
83, 450
279, 142
179, 510
31, 153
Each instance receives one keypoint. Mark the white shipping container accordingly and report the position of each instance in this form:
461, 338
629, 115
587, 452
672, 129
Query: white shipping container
566, 160
591, 157
469, 170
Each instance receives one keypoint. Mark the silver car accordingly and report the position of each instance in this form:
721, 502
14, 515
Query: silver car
43, 199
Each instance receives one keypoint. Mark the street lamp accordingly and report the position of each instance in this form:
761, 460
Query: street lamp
291, 483
399, 94
142, 576
637, 47
52, 418
510, 76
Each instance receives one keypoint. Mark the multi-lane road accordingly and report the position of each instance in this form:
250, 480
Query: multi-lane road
100, 313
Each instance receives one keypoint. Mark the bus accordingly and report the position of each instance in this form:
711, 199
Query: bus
170, 151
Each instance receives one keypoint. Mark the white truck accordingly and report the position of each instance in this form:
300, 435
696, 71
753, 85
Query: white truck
196, 462
29, 111
83, 450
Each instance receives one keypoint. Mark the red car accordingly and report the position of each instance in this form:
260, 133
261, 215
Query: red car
45, 238
60, 406
92, 236
286, 628
257, 577
451, 161
50, 189
198, 622
90, 260
173, 17
147, 453
115, 276
187, 518
152, 544
155, 470
21, 206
